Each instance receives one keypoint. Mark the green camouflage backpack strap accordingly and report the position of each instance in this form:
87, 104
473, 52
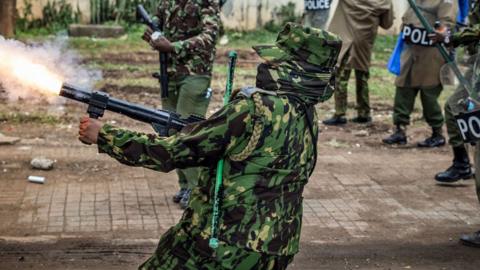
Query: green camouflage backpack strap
258, 118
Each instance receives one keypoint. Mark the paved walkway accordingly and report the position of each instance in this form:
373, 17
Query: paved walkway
354, 194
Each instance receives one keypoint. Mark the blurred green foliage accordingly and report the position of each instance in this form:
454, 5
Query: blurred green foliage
119, 11
281, 16
56, 15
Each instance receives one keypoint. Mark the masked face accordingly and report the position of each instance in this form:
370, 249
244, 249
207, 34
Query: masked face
291, 78
264, 78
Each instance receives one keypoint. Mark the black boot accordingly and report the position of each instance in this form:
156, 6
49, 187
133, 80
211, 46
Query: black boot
179, 195
185, 199
435, 140
459, 170
398, 137
472, 240
362, 119
335, 121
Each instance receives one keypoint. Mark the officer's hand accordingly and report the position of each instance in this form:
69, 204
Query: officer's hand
441, 35
162, 45
147, 35
88, 130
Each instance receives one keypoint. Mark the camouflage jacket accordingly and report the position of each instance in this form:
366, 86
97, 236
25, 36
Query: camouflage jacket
469, 36
262, 195
192, 26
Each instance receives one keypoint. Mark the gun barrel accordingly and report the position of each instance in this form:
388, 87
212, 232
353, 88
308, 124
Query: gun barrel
143, 14
131, 110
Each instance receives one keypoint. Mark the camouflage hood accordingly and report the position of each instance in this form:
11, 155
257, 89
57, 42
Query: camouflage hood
301, 63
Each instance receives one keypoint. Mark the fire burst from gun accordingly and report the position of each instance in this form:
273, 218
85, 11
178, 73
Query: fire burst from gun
34, 71
23, 67
28, 74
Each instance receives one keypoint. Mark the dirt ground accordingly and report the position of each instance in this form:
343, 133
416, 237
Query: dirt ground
90, 254
418, 243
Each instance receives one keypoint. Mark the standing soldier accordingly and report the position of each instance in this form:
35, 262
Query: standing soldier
317, 13
267, 136
357, 24
420, 72
190, 34
460, 169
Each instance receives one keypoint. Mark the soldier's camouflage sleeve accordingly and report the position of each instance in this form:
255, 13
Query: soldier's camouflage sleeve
467, 36
203, 145
210, 21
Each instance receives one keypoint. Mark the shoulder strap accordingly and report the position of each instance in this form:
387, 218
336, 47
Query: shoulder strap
258, 125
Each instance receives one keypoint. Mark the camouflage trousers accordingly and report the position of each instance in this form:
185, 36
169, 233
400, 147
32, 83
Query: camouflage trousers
455, 139
188, 95
176, 250
452, 108
477, 169
405, 102
341, 93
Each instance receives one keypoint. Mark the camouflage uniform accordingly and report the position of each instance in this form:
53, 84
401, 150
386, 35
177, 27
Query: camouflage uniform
192, 26
469, 37
461, 168
261, 212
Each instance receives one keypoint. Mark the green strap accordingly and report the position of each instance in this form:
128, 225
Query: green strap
219, 179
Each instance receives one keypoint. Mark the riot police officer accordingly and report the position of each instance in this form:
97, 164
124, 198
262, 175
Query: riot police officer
420, 72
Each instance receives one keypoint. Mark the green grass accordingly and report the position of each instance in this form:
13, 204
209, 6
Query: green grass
245, 40
239, 71
381, 83
105, 66
140, 82
132, 41
383, 48
22, 118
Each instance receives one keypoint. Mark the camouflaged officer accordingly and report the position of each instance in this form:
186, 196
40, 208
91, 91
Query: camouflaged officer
357, 23
190, 32
267, 135
420, 69
461, 168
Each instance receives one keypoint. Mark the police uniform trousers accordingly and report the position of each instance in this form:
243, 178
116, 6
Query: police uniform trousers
188, 95
405, 101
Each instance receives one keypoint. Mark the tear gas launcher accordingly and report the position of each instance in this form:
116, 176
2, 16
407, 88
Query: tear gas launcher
99, 102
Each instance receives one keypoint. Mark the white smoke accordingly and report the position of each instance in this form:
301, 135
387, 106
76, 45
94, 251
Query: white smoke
54, 55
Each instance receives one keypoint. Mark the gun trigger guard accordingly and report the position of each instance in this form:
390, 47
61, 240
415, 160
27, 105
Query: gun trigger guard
97, 104
163, 131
